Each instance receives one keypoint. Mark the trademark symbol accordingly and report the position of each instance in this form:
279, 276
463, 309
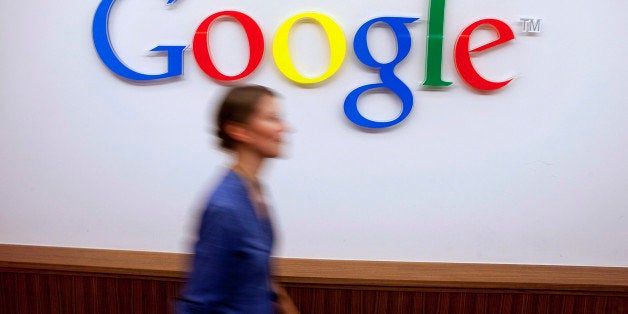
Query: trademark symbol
531, 25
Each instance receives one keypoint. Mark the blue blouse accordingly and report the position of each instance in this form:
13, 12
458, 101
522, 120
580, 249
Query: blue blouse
231, 265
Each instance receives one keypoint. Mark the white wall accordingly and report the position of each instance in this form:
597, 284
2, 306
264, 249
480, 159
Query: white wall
534, 173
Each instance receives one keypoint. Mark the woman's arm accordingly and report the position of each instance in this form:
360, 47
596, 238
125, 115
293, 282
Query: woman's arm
207, 286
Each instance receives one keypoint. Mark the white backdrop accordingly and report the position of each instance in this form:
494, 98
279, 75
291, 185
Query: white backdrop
534, 173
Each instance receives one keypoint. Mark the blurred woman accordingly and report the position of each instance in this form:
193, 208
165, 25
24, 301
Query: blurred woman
231, 271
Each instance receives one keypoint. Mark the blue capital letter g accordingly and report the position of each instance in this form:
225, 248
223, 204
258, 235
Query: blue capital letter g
100, 34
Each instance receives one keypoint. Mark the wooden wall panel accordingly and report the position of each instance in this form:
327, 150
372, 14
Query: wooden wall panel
39, 292
77, 281
28, 291
331, 300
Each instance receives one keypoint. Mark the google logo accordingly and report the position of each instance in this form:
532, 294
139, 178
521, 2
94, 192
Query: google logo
338, 48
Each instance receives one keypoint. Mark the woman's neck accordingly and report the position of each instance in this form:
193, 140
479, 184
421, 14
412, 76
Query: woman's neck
248, 165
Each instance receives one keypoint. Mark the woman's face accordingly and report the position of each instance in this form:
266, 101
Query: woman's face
266, 127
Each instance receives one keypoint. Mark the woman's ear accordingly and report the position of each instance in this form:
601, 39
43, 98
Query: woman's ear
237, 131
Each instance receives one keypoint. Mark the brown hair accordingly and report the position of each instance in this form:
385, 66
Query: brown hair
237, 106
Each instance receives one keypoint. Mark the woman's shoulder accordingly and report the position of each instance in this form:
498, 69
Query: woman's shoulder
230, 192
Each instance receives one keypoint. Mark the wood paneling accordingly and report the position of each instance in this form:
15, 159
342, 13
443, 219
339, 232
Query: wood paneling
452, 275
150, 264
28, 291
363, 273
330, 300
67, 280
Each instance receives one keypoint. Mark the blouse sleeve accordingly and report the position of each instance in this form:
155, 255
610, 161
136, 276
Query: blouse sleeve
208, 285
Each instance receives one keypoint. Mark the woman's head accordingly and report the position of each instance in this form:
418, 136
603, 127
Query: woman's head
249, 116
